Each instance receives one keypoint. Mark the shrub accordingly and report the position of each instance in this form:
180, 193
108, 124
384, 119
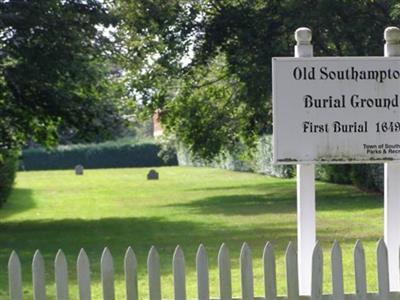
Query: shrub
92, 156
8, 169
260, 161
365, 176
341, 173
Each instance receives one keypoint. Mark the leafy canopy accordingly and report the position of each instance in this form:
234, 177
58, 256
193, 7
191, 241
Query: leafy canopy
220, 93
56, 72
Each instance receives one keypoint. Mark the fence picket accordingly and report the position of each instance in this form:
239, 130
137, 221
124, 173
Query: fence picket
203, 291
269, 272
14, 277
359, 270
61, 276
38, 277
178, 268
383, 270
202, 269
107, 275
225, 279
292, 274
130, 268
337, 272
316, 273
83, 275
246, 271
153, 267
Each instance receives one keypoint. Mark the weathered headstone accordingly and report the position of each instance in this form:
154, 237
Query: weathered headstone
79, 170
152, 175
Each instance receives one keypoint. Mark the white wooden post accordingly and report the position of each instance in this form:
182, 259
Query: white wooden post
305, 191
392, 185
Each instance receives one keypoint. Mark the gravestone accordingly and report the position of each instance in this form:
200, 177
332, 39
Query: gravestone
152, 175
79, 170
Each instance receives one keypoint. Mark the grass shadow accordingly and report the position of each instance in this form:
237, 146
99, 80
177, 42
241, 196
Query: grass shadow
19, 201
281, 198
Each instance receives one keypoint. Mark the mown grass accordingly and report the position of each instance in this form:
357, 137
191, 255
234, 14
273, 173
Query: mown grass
187, 206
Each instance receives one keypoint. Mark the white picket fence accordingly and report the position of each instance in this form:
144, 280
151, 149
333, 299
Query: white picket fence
224, 266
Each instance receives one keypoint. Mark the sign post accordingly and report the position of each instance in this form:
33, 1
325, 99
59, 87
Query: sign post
338, 110
392, 186
305, 190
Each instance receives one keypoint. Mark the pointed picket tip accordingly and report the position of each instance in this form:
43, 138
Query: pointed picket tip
336, 247
15, 277
201, 254
203, 290
37, 255
201, 250
245, 249
14, 259
153, 251
358, 245
178, 253
359, 270
82, 253
291, 248
269, 271
37, 259
317, 252
130, 256
106, 253
268, 247
337, 271
38, 276
60, 256
83, 259
359, 250
317, 263
223, 250
129, 251
381, 245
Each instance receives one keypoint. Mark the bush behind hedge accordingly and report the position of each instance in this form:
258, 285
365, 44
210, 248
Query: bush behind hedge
260, 162
365, 176
93, 156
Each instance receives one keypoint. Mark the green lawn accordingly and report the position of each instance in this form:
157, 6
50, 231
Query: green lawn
187, 206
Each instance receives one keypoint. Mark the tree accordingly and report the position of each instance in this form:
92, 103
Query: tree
56, 72
237, 39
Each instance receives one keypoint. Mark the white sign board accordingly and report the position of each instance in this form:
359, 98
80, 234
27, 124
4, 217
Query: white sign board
336, 109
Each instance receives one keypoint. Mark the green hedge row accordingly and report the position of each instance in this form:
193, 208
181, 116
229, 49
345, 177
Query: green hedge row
8, 170
366, 176
260, 162
95, 156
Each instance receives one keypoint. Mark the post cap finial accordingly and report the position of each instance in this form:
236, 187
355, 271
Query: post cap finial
392, 35
303, 36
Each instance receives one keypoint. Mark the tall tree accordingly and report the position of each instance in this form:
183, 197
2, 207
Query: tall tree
56, 72
222, 94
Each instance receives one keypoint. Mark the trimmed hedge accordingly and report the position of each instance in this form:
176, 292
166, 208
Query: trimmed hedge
8, 170
93, 156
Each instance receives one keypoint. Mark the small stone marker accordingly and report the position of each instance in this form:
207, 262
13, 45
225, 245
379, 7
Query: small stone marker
152, 175
79, 170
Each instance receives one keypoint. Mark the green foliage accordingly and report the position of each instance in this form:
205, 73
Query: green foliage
56, 73
8, 170
335, 173
95, 156
221, 95
241, 160
365, 176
